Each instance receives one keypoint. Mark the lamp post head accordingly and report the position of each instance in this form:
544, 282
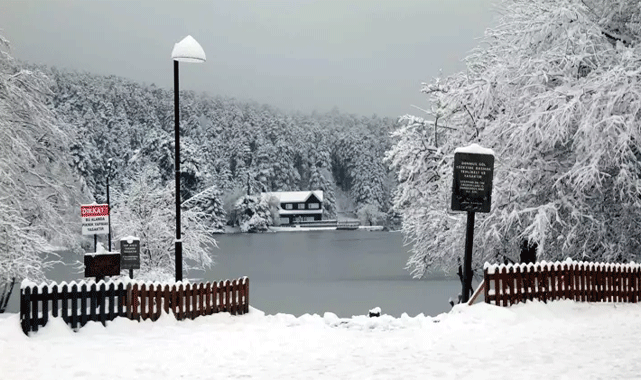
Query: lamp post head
110, 168
188, 50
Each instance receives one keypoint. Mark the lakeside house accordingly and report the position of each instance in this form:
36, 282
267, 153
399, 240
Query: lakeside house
298, 206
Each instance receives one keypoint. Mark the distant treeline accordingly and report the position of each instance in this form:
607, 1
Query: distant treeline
226, 143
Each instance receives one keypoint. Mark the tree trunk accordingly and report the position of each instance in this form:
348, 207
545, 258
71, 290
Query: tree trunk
5, 293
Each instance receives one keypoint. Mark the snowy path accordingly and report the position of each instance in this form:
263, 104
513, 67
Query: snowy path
562, 340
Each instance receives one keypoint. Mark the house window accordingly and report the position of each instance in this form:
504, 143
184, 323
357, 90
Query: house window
313, 206
288, 206
301, 206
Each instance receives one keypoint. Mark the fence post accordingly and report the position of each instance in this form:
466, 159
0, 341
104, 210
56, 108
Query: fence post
143, 302
246, 294
45, 305
122, 300
174, 300
111, 293
135, 314
25, 312
181, 303
635, 284
511, 278
201, 299
103, 300
159, 300
83, 304
608, 283
578, 281
34, 309
54, 303
208, 299
74, 306
557, 281
195, 311
129, 301
166, 299
227, 296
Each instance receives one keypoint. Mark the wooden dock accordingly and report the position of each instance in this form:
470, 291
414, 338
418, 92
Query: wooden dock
347, 224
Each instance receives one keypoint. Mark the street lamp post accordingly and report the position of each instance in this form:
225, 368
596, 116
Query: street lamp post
187, 50
109, 174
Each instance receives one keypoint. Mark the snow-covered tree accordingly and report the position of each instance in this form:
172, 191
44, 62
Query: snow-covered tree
147, 211
254, 213
39, 195
553, 89
320, 179
209, 202
371, 215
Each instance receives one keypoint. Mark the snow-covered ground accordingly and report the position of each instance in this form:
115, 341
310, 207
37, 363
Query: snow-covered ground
560, 340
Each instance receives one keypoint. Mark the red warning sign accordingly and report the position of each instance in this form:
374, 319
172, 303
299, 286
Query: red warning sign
88, 211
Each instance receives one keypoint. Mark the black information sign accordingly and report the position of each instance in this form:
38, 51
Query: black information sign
472, 187
129, 254
102, 265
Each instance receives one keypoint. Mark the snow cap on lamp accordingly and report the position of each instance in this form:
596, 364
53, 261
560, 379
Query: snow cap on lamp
188, 50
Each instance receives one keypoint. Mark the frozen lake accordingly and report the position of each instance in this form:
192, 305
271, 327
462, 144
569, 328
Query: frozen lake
345, 272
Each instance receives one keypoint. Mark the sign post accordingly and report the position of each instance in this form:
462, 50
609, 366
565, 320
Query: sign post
130, 254
471, 192
95, 220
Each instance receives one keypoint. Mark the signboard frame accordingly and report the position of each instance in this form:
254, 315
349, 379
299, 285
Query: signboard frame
472, 182
130, 254
102, 265
95, 219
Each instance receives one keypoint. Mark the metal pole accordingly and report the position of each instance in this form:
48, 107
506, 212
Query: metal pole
95, 242
109, 206
179, 244
467, 265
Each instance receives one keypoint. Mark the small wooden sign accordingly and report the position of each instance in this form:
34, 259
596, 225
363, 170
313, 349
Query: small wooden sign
130, 254
102, 265
472, 187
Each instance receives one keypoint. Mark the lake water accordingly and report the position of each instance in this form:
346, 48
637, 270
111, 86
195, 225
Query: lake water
344, 272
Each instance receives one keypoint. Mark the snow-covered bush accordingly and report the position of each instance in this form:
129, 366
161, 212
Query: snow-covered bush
254, 213
148, 212
371, 215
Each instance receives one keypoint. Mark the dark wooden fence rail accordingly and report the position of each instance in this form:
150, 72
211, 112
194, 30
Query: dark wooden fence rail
78, 304
506, 285
190, 300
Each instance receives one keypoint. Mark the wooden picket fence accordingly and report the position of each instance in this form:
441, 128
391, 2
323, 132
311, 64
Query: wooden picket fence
506, 285
80, 303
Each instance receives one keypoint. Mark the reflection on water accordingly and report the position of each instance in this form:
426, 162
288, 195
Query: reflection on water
345, 272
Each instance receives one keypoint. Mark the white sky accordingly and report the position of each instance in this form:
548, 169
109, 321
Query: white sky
363, 56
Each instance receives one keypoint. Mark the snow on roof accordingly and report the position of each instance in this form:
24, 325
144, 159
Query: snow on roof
188, 50
130, 239
296, 196
474, 148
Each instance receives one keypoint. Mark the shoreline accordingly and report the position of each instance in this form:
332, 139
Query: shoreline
275, 229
